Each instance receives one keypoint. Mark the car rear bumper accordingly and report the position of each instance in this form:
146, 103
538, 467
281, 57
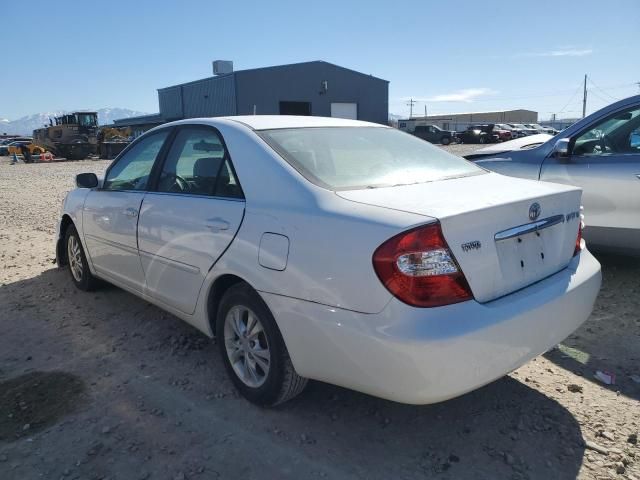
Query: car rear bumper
420, 356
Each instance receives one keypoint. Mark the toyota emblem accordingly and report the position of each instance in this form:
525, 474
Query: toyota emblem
534, 211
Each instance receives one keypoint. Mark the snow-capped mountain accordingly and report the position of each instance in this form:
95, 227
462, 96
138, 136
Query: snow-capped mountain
26, 125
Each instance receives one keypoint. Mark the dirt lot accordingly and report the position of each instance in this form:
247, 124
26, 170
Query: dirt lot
106, 386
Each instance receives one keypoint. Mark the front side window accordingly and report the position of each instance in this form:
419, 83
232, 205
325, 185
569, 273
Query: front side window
617, 134
133, 169
197, 164
342, 158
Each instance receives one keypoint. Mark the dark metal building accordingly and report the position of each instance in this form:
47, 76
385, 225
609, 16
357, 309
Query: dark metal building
310, 88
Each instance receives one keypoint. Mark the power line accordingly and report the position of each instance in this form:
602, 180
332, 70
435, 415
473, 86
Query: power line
570, 100
605, 100
602, 90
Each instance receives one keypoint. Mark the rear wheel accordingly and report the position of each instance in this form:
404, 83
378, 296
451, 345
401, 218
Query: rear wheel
252, 349
77, 261
483, 140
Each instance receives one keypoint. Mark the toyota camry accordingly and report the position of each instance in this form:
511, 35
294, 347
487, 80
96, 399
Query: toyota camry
335, 250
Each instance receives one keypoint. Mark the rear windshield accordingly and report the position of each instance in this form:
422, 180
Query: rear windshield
347, 158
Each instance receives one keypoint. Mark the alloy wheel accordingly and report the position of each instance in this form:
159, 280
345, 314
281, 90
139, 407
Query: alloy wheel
247, 346
74, 256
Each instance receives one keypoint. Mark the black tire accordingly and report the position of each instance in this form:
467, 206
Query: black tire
445, 141
483, 140
86, 280
281, 382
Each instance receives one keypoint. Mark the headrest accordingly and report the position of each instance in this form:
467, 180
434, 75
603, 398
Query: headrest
207, 167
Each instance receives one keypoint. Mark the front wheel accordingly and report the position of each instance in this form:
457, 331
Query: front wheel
77, 261
252, 349
445, 141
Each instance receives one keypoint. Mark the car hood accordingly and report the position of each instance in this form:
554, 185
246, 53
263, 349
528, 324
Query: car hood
523, 143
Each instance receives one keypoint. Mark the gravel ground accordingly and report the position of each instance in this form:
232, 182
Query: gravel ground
105, 386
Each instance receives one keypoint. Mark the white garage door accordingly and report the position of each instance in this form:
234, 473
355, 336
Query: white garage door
344, 110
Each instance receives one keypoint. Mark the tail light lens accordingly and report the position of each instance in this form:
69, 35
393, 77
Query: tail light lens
418, 268
578, 246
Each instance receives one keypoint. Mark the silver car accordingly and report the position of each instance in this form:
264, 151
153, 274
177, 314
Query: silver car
601, 154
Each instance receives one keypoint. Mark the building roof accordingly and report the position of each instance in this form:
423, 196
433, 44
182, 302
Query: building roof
440, 115
273, 67
158, 118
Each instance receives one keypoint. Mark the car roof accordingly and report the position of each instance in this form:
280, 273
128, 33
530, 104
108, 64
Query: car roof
266, 122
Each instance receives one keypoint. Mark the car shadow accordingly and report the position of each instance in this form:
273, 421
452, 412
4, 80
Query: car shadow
148, 373
609, 340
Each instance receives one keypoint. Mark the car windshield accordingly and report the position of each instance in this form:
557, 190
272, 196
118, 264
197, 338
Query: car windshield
345, 158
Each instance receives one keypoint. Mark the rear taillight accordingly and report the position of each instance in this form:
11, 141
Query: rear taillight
419, 269
578, 246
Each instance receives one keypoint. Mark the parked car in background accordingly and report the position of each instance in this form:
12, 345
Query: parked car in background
434, 134
600, 154
504, 135
548, 129
515, 133
524, 129
4, 145
540, 129
478, 134
337, 250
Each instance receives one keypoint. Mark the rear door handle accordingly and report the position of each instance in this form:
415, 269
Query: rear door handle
217, 224
131, 212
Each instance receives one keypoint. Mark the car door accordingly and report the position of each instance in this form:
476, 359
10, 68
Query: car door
190, 218
432, 135
604, 159
110, 213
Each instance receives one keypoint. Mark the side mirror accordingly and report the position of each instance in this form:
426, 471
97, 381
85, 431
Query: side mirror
561, 148
86, 180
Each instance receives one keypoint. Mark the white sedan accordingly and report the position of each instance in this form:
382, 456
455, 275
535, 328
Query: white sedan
336, 250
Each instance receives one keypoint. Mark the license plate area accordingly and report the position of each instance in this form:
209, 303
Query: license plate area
530, 251
524, 253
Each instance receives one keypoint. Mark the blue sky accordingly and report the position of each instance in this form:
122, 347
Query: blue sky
456, 56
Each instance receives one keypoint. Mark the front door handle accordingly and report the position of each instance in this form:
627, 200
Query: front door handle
217, 224
131, 212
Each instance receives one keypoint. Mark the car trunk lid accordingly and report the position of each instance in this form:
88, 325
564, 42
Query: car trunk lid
506, 233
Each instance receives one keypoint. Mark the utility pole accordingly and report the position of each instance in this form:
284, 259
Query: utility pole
425, 112
584, 97
411, 103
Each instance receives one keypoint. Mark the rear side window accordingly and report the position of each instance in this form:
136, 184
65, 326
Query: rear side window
132, 170
342, 158
198, 164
